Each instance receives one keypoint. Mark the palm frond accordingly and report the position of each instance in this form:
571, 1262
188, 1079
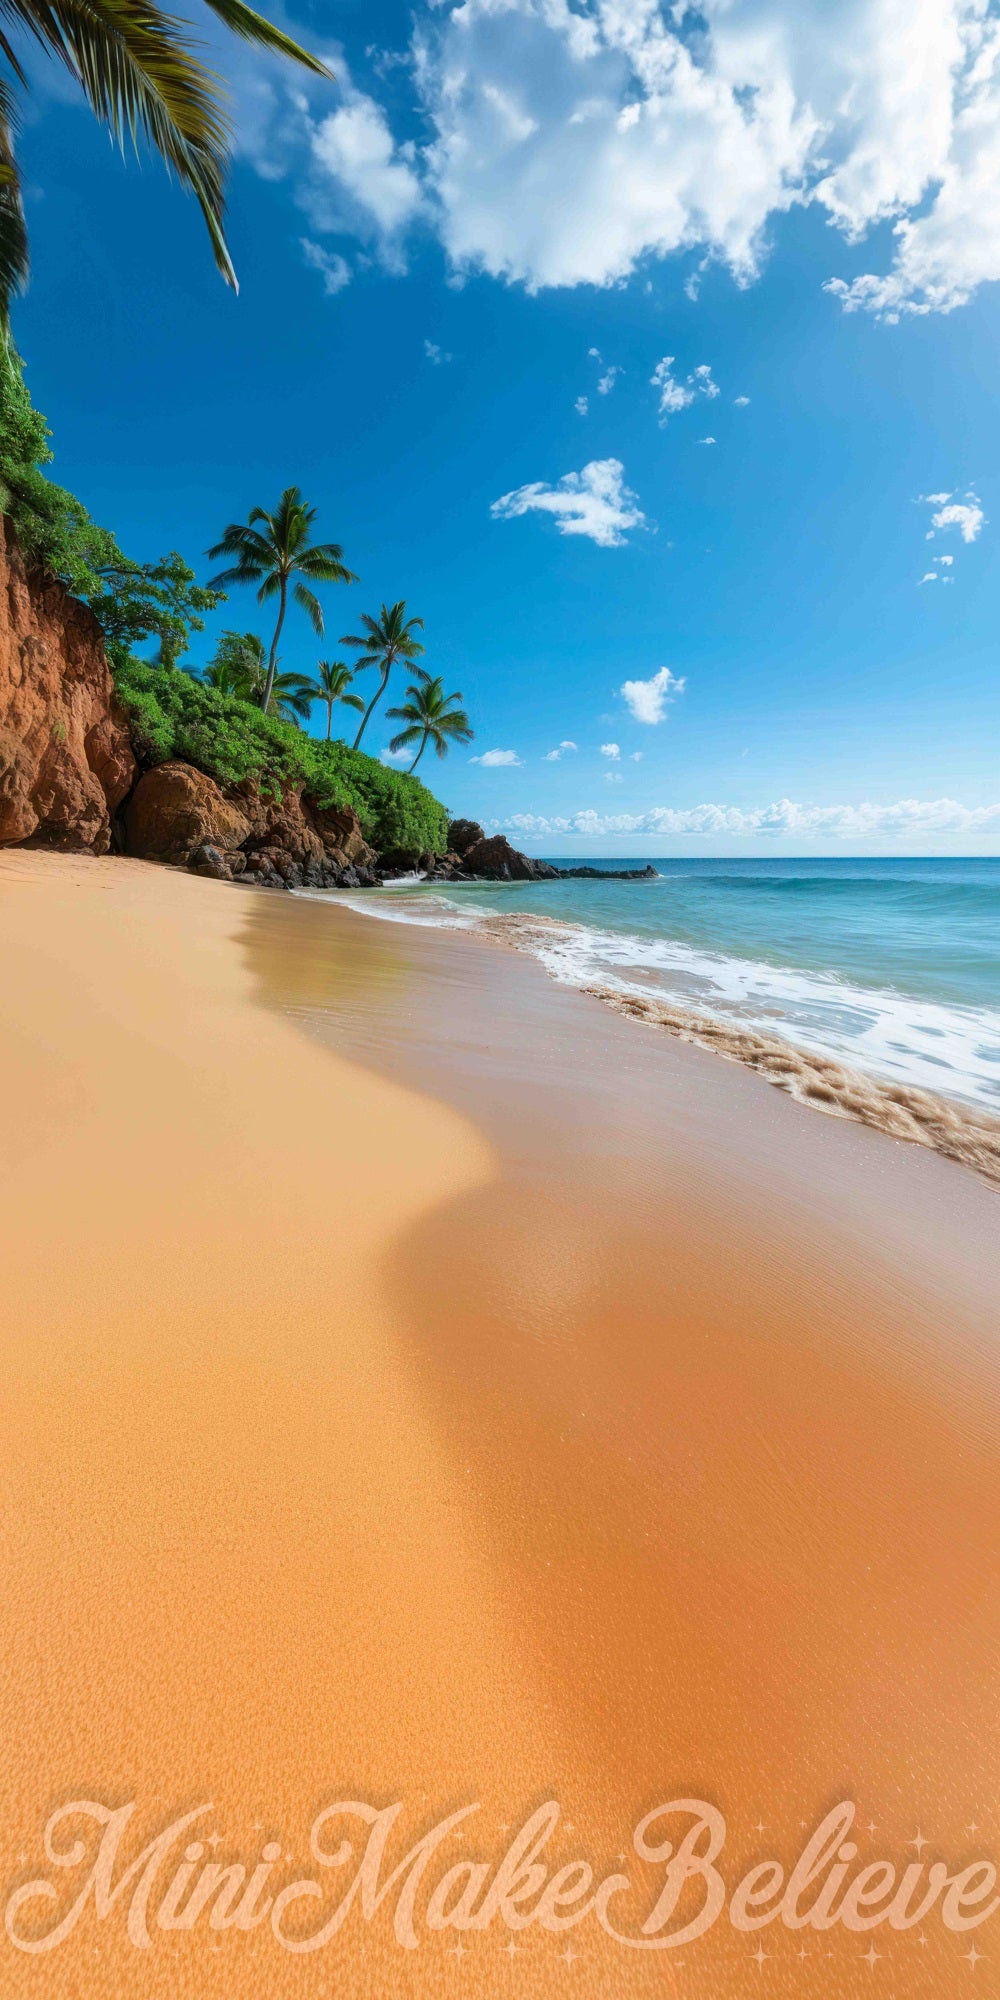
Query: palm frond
310, 604
13, 231
139, 75
244, 21
238, 573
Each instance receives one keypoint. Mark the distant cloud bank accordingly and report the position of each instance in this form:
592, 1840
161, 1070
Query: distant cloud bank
914, 818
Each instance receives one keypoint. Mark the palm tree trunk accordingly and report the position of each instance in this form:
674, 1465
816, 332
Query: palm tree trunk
329, 719
377, 696
273, 660
420, 752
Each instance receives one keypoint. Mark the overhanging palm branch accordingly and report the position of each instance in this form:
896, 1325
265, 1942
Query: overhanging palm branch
430, 718
139, 72
384, 640
274, 552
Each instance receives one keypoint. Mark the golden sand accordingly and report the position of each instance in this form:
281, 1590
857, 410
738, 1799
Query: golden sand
484, 1399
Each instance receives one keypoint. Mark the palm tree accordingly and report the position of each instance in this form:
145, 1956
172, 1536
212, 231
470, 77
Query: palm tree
138, 70
430, 716
385, 639
237, 666
273, 555
333, 678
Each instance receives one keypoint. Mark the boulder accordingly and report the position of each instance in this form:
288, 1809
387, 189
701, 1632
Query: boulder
339, 829
66, 759
497, 861
207, 860
175, 810
463, 834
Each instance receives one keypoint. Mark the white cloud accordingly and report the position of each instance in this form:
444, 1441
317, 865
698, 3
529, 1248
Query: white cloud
568, 143
931, 576
967, 516
612, 777
637, 756
907, 819
595, 502
553, 756
396, 756
335, 271
354, 147
675, 395
608, 380
490, 759
581, 406
436, 355
610, 750
947, 560
634, 136
740, 402
647, 700
708, 440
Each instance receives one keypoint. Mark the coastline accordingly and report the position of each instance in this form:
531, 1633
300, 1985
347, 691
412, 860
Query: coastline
960, 1131
496, 1402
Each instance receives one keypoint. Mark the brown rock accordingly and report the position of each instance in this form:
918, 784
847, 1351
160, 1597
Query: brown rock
339, 829
65, 758
298, 827
463, 834
174, 810
498, 861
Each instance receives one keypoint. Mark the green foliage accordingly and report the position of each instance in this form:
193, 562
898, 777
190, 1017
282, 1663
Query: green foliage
134, 601
174, 715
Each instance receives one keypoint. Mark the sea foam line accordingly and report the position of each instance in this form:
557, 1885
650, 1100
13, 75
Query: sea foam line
958, 1125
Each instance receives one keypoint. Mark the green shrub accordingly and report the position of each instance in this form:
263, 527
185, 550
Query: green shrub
173, 715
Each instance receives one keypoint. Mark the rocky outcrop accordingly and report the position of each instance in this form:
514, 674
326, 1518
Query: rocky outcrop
179, 816
495, 860
66, 759
463, 834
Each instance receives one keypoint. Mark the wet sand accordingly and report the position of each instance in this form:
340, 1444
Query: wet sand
425, 1384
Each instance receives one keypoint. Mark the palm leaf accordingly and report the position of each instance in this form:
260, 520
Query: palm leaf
243, 21
13, 233
140, 77
310, 604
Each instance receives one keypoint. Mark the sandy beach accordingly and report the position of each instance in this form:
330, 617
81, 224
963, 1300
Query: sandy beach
424, 1384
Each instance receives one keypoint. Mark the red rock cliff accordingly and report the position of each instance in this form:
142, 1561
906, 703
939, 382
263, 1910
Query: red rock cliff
65, 757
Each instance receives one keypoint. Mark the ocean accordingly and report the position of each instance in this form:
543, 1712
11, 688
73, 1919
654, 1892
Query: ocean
891, 967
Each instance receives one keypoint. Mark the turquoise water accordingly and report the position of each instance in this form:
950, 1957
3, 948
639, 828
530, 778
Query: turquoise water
893, 966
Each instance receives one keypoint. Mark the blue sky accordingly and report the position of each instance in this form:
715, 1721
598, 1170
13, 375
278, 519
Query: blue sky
492, 214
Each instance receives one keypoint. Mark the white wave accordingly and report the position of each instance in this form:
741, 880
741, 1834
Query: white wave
948, 1049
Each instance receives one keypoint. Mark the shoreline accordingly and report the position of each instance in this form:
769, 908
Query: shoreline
423, 1387
957, 1130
